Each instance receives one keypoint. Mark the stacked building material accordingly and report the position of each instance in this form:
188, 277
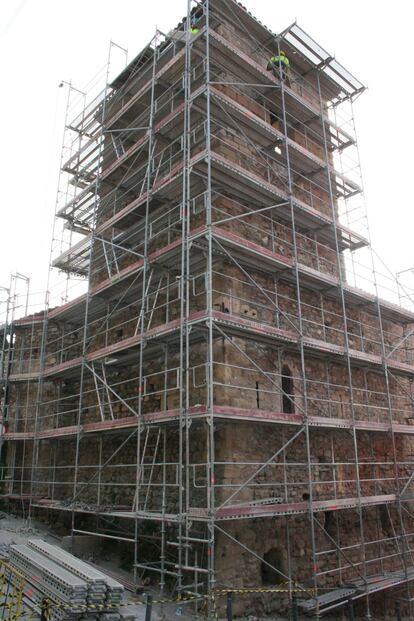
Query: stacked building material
74, 588
102, 589
66, 592
4, 550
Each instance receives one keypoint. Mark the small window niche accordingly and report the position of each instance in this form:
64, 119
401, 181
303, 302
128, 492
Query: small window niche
288, 406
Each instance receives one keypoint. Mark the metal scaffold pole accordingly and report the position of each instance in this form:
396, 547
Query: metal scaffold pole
145, 283
85, 335
342, 278
211, 483
301, 333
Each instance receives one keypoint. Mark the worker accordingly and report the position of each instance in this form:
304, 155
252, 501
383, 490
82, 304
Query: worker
45, 610
279, 65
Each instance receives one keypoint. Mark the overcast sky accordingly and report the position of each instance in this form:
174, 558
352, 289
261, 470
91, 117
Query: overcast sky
45, 41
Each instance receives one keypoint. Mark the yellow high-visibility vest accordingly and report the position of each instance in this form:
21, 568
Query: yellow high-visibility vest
280, 59
194, 31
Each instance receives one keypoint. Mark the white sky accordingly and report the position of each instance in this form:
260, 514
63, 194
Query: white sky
45, 41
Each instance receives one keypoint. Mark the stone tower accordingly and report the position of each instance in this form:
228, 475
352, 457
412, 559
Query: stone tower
231, 399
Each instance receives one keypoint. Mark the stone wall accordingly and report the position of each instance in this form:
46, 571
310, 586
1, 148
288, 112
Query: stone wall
286, 543
237, 379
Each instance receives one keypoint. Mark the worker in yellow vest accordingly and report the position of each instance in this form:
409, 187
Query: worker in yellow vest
279, 64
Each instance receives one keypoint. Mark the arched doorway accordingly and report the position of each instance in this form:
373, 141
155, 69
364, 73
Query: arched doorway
269, 575
288, 406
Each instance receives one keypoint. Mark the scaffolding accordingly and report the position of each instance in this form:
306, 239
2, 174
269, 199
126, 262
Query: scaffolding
224, 352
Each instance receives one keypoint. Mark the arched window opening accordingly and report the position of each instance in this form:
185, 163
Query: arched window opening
385, 519
330, 524
269, 575
287, 390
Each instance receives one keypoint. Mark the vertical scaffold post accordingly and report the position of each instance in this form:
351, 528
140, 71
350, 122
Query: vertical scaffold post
295, 616
290, 183
146, 280
229, 606
148, 610
350, 609
211, 500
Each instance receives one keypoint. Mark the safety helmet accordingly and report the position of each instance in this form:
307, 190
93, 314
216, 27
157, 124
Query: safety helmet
283, 53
